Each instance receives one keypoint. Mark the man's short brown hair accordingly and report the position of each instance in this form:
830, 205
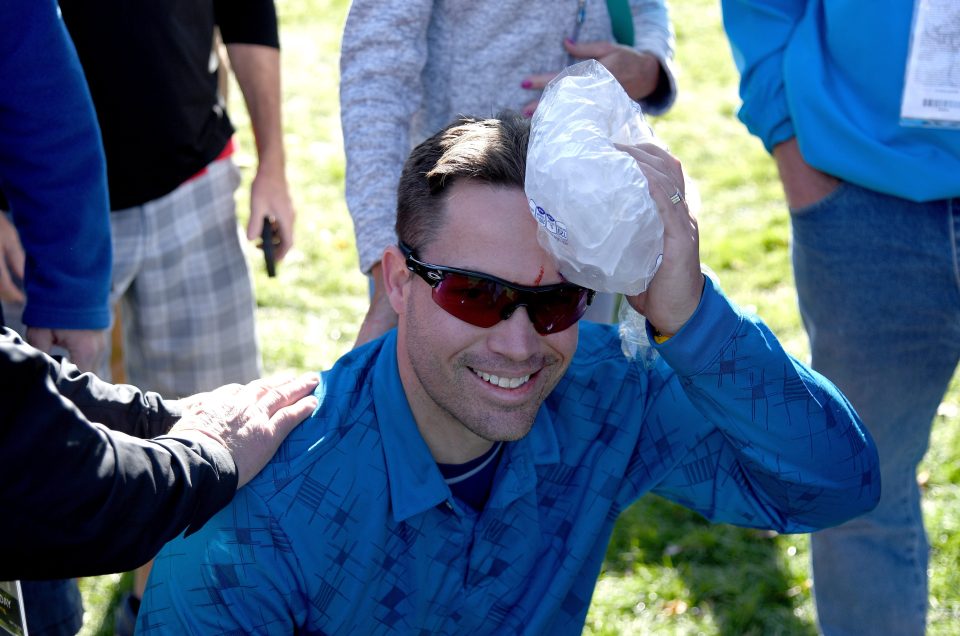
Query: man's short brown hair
493, 151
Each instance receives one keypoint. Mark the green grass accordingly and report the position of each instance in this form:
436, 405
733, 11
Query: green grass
667, 571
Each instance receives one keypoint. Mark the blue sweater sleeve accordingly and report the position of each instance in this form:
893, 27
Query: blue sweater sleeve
759, 31
773, 443
53, 171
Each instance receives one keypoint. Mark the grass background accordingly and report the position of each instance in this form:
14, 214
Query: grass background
667, 571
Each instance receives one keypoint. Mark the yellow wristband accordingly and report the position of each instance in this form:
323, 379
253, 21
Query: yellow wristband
659, 338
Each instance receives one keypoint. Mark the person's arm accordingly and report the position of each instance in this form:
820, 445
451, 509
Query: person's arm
771, 443
84, 500
653, 35
759, 31
250, 33
383, 52
257, 69
380, 317
119, 407
53, 175
80, 499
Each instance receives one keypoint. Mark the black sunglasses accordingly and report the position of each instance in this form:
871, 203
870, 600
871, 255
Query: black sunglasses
483, 300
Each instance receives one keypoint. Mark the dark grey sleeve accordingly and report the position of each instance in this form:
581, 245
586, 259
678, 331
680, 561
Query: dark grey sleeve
80, 499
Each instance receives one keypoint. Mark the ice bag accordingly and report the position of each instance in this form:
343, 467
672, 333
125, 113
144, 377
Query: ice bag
591, 199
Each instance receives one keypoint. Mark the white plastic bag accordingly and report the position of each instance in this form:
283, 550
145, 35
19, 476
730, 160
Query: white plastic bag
595, 211
634, 341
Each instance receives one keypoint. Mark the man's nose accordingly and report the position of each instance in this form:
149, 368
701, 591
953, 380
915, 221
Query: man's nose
515, 337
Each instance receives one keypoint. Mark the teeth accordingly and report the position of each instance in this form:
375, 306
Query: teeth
505, 383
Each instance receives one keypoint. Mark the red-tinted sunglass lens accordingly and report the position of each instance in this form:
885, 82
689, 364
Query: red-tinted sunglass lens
557, 310
470, 298
484, 303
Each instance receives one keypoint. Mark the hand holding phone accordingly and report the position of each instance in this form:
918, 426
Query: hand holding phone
269, 241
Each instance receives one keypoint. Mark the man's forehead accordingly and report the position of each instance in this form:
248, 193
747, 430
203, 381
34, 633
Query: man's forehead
475, 211
489, 228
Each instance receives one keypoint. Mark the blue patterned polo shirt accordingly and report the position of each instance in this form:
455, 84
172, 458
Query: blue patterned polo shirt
351, 529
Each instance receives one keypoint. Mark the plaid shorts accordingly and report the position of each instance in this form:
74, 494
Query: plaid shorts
184, 288
185, 291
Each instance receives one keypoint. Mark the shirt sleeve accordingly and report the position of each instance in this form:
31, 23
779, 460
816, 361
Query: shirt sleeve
773, 444
247, 22
119, 407
53, 170
233, 576
759, 32
653, 33
383, 52
82, 499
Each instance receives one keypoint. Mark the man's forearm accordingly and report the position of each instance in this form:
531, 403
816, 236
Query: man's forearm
257, 69
760, 403
120, 407
145, 493
81, 499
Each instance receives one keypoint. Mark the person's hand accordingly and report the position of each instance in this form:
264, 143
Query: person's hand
270, 201
380, 317
637, 72
12, 261
674, 292
803, 185
85, 347
251, 420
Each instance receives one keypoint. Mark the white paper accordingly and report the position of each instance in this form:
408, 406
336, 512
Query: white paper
931, 91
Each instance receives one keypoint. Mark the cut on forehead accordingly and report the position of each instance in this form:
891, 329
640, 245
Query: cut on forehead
492, 151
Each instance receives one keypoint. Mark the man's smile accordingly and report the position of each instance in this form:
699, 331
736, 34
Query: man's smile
502, 381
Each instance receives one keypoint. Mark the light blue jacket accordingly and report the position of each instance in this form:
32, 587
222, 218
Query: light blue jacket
831, 73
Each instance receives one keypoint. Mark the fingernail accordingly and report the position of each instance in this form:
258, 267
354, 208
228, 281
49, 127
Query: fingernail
569, 41
526, 84
527, 113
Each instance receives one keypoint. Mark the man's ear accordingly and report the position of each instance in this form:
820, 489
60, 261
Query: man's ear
395, 276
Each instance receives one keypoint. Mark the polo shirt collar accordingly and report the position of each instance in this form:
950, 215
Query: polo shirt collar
415, 482
414, 479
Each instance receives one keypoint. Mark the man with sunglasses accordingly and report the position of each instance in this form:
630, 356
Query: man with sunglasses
462, 474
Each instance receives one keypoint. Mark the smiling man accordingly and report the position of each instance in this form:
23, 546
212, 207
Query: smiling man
463, 473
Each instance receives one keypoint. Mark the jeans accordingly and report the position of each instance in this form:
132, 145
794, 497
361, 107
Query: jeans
877, 281
54, 608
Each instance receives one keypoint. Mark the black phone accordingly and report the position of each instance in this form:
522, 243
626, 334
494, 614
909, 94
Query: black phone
268, 237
